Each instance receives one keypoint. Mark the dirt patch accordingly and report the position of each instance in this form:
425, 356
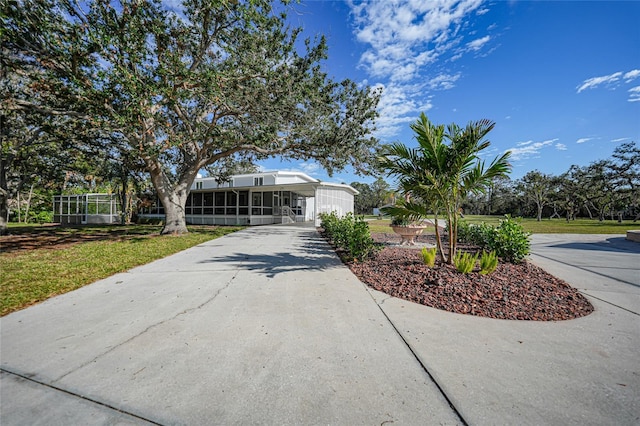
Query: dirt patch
513, 291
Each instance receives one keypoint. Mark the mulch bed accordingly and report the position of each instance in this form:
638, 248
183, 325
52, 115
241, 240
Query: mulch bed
513, 291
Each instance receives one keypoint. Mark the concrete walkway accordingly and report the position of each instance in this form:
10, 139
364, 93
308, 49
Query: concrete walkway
266, 326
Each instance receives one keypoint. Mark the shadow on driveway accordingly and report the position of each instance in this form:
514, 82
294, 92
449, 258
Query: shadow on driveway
309, 252
613, 244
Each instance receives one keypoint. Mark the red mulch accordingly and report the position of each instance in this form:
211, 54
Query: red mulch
513, 291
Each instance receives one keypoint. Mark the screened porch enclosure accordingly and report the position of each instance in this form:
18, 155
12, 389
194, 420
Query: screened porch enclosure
242, 207
261, 199
86, 209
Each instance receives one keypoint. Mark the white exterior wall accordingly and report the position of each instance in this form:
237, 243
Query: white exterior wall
331, 199
310, 210
248, 180
270, 178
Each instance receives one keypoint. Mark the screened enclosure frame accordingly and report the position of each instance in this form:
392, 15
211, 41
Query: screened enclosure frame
86, 209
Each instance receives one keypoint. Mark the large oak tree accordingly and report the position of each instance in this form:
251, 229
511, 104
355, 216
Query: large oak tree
214, 82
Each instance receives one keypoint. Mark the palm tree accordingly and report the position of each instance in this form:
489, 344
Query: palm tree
437, 176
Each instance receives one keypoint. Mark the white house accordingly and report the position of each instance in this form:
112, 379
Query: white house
261, 199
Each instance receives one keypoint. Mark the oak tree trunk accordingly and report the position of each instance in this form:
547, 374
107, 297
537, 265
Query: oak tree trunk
174, 210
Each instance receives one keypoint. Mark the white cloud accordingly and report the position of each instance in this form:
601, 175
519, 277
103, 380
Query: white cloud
308, 167
583, 140
619, 139
611, 80
407, 35
594, 82
477, 44
634, 94
631, 75
404, 39
443, 81
397, 107
561, 147
529, 149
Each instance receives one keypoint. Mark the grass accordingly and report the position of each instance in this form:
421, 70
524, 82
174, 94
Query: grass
561, 226
87, 254
545, 226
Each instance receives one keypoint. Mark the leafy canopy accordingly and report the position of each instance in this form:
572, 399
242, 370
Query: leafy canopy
206, 83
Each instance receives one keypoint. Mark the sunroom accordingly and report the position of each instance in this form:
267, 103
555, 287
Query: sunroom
261, 199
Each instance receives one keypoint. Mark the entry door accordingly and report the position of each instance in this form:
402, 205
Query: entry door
276, 203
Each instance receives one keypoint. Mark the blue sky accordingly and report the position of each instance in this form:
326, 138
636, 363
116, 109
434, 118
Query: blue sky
560, 79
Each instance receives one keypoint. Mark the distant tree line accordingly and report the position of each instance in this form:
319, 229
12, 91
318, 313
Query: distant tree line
604, 189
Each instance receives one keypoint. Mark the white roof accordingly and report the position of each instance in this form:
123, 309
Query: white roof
302, 183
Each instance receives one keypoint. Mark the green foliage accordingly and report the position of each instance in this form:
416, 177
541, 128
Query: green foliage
465, 262
509, 240
204, 83
349, 233
370, 195
429, 256
400, 221
440, 173
488, 262
43, 217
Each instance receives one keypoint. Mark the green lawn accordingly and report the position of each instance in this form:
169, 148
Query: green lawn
58, 260
546, 226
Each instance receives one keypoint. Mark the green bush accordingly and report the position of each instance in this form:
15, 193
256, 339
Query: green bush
465, 262
429, 256
349, 233
509, 240
42, 217
478, 234
488, 262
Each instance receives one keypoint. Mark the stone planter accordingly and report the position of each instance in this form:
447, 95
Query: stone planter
408, 233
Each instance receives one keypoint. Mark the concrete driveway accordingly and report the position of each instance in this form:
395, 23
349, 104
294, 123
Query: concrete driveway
266, 326
263, 326
580, 372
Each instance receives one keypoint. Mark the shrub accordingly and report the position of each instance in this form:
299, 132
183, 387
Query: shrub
464, 232
465, 262
478, 234
429, 256
488, 262
329, 222
42, 217
508, 239
350, 234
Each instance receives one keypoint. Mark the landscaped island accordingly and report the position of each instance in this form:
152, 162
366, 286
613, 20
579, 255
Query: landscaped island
519, 291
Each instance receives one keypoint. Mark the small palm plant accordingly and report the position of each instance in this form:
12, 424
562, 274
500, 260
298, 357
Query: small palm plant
436, 176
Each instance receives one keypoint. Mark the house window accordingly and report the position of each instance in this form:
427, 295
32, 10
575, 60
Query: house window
258, 181
243, 203
198, 185
219, 198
